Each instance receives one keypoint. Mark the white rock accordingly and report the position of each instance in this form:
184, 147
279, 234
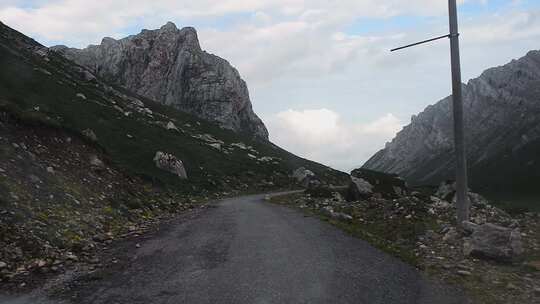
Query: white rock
360, 186
240, 146
216, 146
81, 96
170, 163
171, 126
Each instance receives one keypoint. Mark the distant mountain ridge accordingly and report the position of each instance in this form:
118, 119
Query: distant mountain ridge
168, 65
502, 124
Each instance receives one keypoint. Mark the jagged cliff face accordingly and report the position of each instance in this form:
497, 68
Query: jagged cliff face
502, 120
168, 65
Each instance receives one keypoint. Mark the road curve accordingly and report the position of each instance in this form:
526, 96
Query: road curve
249, 251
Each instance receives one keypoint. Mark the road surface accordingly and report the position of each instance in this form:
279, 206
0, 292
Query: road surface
249, 251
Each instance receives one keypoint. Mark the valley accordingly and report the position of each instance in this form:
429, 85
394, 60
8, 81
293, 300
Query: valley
137, 171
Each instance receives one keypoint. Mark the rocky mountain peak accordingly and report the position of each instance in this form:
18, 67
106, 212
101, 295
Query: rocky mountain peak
168, 65
502, 125
108, 40
169, 26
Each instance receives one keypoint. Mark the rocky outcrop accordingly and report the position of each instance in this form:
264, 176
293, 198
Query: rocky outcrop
502, 123
169, 66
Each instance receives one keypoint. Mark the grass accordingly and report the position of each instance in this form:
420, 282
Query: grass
378, 233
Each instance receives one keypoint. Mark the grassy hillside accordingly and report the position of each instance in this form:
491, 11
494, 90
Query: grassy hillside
42, 86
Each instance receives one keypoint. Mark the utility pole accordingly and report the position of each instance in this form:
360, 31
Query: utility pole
462, 199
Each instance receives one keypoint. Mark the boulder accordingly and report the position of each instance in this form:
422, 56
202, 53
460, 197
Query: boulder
489, 241
388, 185
359, 188
303, 176
446, 190
170, 163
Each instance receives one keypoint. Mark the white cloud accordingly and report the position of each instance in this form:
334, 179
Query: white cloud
501, 28
322, 135
80, 21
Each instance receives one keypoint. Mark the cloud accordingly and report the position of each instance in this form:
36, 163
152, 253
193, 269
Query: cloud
292, 48
322, 135
501, 28
80, 21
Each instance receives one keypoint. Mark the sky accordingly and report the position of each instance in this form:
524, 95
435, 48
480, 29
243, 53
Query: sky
320, 72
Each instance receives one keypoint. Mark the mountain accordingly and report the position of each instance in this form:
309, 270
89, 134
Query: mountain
84, 161
168, 65
502, 125
39, 85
